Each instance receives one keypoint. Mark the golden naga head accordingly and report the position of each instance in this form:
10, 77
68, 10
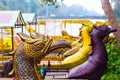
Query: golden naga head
35, 47
40, 46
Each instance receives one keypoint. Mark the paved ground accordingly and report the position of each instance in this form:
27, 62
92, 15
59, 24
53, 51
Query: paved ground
51, 76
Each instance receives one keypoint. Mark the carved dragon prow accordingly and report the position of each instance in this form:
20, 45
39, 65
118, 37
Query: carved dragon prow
95, 66
39, 48
78, 57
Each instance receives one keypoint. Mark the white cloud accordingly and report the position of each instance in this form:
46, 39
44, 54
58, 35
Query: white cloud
88, 4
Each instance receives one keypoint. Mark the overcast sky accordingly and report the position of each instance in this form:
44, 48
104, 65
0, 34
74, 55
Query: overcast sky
88, 4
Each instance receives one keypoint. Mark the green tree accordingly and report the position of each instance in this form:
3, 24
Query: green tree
50, 2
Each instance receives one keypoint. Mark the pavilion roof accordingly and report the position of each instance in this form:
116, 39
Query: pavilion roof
11, 19
30, 18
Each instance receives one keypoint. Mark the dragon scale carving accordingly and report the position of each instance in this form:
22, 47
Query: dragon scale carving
25, 60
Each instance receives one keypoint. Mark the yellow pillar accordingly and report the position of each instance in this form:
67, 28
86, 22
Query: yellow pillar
2, 49
45, 30
12, 38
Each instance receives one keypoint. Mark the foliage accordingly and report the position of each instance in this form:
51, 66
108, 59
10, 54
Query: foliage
50, 2
113, 68
118, 20
22, 5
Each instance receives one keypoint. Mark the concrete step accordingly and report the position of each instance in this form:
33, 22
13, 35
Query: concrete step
56, 75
